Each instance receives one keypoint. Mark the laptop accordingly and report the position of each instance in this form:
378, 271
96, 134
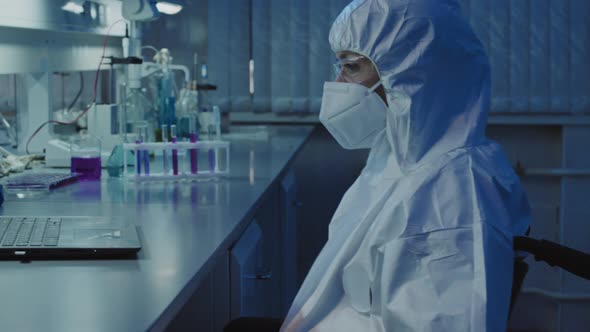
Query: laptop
48, 237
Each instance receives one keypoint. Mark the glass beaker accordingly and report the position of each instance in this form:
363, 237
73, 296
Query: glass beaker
115, 162
138, 112
186, 113
85, 157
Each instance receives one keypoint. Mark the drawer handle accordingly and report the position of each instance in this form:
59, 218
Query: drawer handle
265, 276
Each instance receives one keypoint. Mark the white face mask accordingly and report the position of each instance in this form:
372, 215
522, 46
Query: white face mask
352, 113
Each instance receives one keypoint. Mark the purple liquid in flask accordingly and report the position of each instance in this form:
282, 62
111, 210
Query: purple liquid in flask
88, 167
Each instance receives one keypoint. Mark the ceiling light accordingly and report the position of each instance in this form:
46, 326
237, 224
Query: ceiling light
167, 7
74, 6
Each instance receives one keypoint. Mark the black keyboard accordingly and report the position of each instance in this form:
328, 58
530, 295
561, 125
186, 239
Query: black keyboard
25, 232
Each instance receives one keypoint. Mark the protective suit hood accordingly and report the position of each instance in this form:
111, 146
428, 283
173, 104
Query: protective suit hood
434, 70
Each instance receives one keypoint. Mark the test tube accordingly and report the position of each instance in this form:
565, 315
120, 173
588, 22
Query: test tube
217, 116
193, 138
165, 151
174, 151
138, 152
146, 154
216, 122
211, 150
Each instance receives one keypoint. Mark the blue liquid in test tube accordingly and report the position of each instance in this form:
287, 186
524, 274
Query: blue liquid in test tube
138, 152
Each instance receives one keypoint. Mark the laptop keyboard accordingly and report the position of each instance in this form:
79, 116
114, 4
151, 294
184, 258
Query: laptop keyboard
19, 231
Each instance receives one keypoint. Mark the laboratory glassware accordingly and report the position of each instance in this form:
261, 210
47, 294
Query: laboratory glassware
174, 151
85, 157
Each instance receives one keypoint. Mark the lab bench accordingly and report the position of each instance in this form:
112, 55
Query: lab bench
211, 250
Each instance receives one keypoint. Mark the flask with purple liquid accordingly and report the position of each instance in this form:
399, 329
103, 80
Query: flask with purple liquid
85, 157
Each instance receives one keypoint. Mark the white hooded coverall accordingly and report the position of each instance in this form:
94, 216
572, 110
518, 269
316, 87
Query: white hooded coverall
422, 241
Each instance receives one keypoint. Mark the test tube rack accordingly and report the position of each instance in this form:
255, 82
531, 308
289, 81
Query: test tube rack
184, 168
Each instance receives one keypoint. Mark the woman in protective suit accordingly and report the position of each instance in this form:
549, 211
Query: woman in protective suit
422, 241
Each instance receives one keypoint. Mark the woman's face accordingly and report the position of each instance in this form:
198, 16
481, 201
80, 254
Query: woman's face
352, 67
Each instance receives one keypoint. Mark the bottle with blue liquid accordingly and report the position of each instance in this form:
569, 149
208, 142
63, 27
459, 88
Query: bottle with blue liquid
165, 90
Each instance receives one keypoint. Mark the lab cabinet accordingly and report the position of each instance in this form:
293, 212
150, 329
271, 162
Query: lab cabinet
289, 205
263, 262
207, 310
555, 172
257, 274
260, 276
247, 275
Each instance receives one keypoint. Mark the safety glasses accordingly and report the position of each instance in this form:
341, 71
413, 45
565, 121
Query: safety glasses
354, 69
